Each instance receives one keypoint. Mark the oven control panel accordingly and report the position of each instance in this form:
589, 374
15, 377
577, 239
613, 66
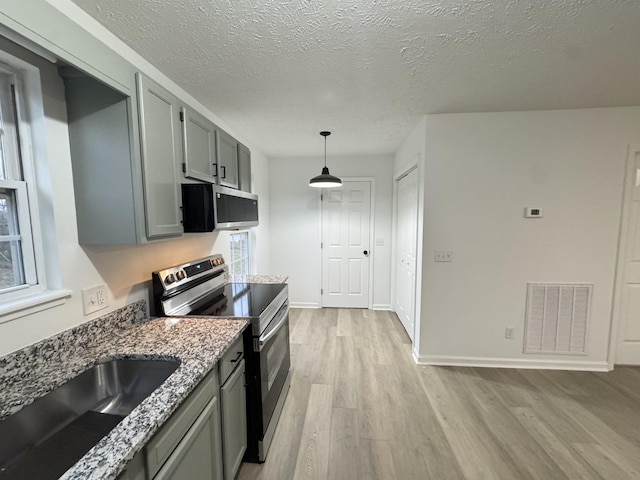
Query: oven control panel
173, 277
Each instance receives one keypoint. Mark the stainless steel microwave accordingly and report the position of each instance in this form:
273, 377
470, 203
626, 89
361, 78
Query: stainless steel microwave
207, 207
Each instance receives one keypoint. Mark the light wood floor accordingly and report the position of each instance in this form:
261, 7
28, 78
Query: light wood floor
359, 408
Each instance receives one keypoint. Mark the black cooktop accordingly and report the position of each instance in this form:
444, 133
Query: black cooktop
238, 300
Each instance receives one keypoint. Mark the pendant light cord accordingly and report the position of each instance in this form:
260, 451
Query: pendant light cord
325, 151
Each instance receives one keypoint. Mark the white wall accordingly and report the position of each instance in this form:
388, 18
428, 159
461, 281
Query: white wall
126, 270
295, 222
481, 171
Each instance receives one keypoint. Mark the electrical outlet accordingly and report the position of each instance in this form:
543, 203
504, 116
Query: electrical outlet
443, 257
533, 212
509, 333
94, 299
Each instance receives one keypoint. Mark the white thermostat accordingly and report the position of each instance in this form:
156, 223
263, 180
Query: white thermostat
533, 212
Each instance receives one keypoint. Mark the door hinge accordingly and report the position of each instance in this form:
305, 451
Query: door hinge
322, 291
321, 244
321, 197
182, 116
184, 167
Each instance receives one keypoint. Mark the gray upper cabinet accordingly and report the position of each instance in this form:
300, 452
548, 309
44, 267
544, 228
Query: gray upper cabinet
105, 155
244, 168
199, 144
124, 136
125, 155
227, 155
48, 27
161, 148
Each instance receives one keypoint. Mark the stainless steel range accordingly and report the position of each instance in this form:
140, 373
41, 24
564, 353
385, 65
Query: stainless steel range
200, 288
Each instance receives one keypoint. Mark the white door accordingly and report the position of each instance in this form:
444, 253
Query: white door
406, 244
627, 304
346, 251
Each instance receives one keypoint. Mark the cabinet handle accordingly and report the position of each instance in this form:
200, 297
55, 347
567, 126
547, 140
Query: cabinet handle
215, 165
224, 171
238, 357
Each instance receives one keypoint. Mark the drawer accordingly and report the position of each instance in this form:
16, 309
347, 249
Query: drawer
169, 436
231, 359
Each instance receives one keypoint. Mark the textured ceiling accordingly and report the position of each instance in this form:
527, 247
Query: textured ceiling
278, 72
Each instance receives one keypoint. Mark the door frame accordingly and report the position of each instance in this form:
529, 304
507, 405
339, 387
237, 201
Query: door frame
372, 182
623, 232
414, 164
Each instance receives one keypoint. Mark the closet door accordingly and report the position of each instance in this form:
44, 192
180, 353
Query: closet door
406, 248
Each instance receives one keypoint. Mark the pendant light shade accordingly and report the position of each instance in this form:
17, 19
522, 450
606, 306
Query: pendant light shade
325, 179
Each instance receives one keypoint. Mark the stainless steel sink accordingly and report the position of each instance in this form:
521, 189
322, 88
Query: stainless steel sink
48, 436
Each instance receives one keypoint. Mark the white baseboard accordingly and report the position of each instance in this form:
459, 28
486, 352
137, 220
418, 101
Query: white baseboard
304, 305
453, 361
377, 306
381, 306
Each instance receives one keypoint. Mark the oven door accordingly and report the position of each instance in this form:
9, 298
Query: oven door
273, 346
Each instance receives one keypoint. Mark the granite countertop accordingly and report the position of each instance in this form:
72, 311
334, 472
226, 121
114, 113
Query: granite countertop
258, 278
198, 343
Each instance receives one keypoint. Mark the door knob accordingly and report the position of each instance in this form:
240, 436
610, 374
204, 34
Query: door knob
366, 253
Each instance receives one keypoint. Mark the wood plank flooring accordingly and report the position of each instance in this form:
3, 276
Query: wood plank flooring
359, 408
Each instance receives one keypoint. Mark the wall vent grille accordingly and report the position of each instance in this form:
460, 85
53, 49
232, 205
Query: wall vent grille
556, 318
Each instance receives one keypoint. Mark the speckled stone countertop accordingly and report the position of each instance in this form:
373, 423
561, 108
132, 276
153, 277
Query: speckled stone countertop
35, 370
258, 278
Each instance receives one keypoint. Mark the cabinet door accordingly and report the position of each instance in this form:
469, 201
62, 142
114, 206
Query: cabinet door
197, 456
244, 168
199, 144
227, 155
134, 470
234, 421
161, 158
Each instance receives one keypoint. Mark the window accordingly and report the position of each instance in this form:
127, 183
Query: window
30, 274
239, 264
17, 258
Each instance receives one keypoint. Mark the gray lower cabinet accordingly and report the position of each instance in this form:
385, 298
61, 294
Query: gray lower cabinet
135, 469
161, 148
234, 422
194, 457
189, 444
227, 156
199, 144
205, 439
234, 413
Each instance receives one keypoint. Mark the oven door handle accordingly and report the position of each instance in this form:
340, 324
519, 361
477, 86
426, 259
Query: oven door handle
274, 331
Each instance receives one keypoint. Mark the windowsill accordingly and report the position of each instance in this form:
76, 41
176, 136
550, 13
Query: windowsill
32, 304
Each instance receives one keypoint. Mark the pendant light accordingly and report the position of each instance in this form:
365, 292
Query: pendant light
325, 179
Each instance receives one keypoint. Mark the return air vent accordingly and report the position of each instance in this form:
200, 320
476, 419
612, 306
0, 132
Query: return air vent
556, 318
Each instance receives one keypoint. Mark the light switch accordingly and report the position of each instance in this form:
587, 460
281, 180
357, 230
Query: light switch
443, 256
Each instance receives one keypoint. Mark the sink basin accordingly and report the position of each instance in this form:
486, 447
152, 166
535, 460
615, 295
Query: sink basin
44, 439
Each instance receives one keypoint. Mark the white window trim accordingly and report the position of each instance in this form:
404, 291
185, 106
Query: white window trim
35, 296
34, 303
